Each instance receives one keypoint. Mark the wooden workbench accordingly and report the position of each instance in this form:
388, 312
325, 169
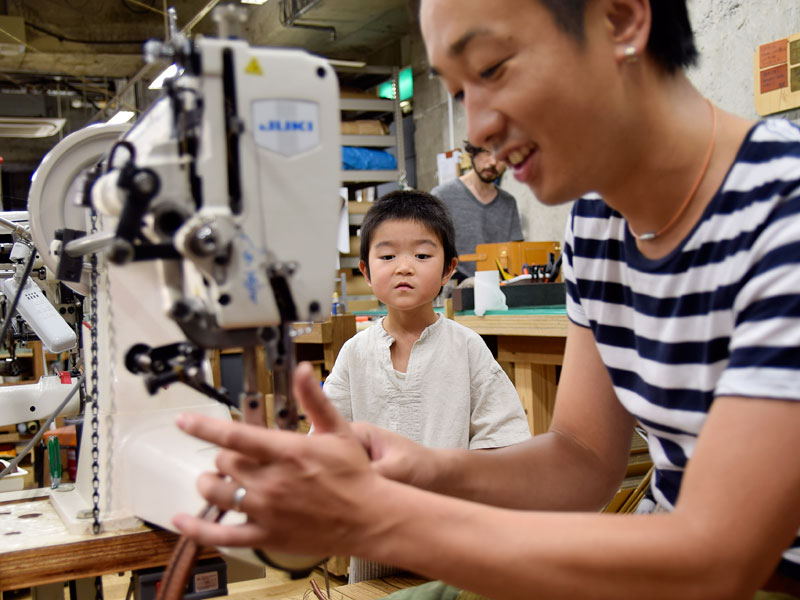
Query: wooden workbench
532, 341
37, 549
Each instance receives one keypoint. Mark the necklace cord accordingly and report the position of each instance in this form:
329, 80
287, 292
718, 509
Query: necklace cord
706, 162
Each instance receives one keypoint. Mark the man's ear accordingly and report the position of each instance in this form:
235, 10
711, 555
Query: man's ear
629, 23
362, 266
449, 272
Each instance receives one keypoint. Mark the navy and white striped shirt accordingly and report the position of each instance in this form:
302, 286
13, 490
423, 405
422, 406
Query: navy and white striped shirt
718, 316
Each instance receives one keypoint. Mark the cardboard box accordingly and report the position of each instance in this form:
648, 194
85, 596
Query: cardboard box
358, 208
363, 127
357, 286
352, 92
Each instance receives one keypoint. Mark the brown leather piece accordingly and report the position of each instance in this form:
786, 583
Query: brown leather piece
176, 575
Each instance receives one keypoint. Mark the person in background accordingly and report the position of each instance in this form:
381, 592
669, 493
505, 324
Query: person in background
482, 212
682, 268
415, 372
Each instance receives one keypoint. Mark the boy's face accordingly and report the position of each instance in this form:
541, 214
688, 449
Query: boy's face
533, 96
406, 261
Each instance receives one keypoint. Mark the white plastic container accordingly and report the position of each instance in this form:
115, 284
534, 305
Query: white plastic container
13, 481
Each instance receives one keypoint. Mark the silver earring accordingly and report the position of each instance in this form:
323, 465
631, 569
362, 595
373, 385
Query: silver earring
630, 54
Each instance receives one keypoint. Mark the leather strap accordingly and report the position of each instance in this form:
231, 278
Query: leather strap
184, 555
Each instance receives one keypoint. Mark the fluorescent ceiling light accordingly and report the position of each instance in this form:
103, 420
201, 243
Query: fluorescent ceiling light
11, 49
122, 116
158, 82
355, 64
12, 35
258, 2
30, 127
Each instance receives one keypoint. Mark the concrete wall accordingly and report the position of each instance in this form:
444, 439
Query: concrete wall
728, 33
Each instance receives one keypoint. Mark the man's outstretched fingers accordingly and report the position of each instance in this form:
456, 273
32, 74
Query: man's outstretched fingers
257, 442
322, 413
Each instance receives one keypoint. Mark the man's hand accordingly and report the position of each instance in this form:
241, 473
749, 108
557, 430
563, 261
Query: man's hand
396, 457
305, 494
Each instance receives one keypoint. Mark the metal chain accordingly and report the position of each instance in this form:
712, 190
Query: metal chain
94, 395
94, 390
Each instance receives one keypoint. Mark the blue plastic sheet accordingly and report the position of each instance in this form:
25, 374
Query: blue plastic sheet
366, 159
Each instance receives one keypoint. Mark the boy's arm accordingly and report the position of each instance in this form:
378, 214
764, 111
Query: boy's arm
496, 415
337, 383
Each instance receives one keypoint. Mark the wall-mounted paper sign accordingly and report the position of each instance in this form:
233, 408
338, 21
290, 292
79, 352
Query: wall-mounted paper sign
776, 67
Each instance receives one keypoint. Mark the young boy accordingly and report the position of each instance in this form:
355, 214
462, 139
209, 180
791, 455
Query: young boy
415, 372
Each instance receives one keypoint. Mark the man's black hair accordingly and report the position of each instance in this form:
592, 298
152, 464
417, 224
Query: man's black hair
671, 41
411, 205
473, 150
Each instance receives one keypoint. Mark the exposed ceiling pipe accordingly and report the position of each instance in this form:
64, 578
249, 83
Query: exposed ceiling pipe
150, 69
292, 10
199, 16
166, 19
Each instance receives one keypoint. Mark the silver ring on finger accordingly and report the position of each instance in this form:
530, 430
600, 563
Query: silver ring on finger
238, 497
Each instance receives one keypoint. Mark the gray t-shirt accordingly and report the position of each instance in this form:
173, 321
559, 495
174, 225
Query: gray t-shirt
479, 223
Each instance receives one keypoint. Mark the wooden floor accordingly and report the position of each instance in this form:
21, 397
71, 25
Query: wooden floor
275, 586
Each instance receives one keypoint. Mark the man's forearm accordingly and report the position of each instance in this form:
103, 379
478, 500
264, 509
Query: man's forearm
550, 472
513, 554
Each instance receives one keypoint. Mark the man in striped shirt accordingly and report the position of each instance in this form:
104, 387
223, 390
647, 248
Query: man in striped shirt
681, 261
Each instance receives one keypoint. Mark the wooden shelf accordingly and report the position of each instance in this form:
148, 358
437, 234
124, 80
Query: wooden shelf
356, 104
376, 176
366, 104
372, 141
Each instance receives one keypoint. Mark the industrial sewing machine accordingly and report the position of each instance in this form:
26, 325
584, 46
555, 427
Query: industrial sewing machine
211, 223
30, 315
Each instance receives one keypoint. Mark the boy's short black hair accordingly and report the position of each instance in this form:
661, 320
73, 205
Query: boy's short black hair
671, 40
410, 205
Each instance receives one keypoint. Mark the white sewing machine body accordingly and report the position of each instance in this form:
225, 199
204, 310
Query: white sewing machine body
36, 401
231, 183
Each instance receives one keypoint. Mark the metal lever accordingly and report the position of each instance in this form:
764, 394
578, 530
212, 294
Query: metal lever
283, 365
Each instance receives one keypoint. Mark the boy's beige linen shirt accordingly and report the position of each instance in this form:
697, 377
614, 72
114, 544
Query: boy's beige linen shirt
454, 394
